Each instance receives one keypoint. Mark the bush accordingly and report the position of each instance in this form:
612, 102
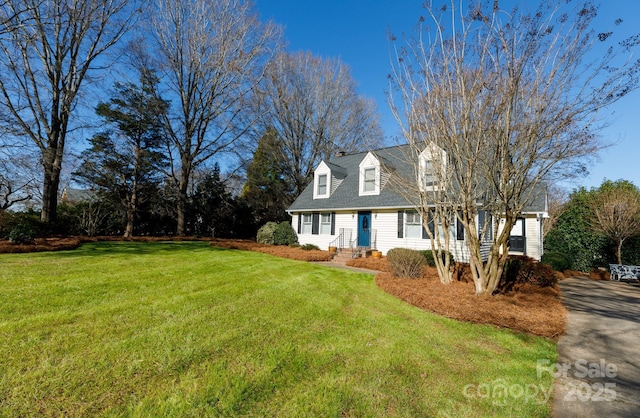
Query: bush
309, 247
406, 263
524, 270
557, 260
266, 233
428, 255
22, 234
284, 234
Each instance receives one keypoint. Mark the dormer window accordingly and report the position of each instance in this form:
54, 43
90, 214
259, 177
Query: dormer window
323, 181
430, 178
369, 176
369, 180
322, 185
432, 168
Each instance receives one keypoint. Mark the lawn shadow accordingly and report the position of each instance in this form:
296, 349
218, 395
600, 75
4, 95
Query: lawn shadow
134, 248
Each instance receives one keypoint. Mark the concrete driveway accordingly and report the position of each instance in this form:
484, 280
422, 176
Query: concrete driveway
598, 369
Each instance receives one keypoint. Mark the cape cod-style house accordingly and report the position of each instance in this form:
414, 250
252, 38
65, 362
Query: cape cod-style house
350, 204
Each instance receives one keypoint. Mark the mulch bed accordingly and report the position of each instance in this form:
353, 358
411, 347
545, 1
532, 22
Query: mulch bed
43, 244
530, 309
284, 251
533, 310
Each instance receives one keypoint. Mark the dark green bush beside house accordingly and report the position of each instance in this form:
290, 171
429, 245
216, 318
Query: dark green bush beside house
284, 234
272, 233
428, 255
521, 270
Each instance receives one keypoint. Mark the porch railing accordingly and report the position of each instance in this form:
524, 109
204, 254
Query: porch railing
373, 244
343, 240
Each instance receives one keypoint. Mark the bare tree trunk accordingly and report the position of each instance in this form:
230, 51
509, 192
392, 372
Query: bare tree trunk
619, 251
52, 164
131, 208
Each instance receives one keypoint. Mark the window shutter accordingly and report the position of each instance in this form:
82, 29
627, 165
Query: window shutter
481, 218
299, 223
459, 229
315, 223
424, 231
333, 223
400, 224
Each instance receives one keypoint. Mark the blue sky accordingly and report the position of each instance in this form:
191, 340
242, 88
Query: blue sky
356, 32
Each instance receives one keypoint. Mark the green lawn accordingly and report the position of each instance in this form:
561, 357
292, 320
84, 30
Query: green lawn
185, 329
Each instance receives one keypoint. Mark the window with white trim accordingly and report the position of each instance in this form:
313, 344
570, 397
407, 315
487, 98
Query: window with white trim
413, 224
432, 168
369, 183
325, 223
430, 179
322, 185
306, 223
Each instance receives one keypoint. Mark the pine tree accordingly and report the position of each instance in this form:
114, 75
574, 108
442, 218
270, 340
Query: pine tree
122, 161
266, 190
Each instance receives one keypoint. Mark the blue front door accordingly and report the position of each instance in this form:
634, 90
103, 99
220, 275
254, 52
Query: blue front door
364, 229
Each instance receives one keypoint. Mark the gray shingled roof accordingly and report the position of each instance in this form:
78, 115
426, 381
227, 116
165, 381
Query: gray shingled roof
346, 196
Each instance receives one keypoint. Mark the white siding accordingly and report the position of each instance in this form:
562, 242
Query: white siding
342, 220
385, 222
532, 232
532, 236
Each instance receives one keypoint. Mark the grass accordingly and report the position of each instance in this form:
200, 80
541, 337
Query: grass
185, 329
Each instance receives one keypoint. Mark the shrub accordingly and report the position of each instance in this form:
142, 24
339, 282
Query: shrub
309, 247
406, 263
284, 234
557, 260
428, 255
22, 234
266, 233
524, 270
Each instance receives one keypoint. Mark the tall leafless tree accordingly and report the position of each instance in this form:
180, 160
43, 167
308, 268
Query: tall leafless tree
511, 98
556, 201
211, 55
44, 59
17, 180
313, 106
616, 212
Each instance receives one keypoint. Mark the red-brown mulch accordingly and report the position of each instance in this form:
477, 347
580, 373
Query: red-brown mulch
530, 309
379, 264
43, 244
294, 253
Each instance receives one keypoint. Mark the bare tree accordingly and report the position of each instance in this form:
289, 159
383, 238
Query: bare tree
44, 59
616, 210
212, 55
16, 180
510, 98
556, 200
313, 106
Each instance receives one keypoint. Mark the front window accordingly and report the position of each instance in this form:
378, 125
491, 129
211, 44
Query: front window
369, 179
306, 223
325, 223
322, 185
413, 224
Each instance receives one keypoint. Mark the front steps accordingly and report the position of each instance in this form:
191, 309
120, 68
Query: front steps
347, 254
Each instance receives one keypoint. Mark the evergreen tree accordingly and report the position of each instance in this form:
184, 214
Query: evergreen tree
266, 190
213, 207
122, 161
